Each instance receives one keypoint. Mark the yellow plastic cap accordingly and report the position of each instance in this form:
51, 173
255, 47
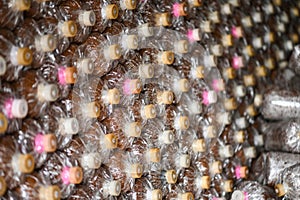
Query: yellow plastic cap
25, 163
49, 193
111, 141
112, 11
69, 28
171, 176
3, 186
76, 175
24, 56
3, 123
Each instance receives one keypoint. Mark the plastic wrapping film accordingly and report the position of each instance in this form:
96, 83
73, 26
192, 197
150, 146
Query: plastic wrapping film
131, 95
14, 164
282, 136
62, 171
288, 184
280, 104
253, 190
294, 60
13, 13
143, 46
13, 109
267, 168
38, 93
35, 187
33, 140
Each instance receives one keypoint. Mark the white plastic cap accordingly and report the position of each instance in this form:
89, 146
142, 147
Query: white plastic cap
184, 161
210, 131
240, 91
48, 92
146, 71
269, 9
217, 50
86, 65
280, 27
241, 122
154, 195
224, 117
214, 17
195, 107
288, 45
246, 21
145, 30
226, 151
250, 152
256, 16
70, 126
46, 43
181, 46
87, 18
114, 188
235, 3
112, 52
210, 61
167, 137
3, 66
182, 85
226, 9
206, 26
133, 129
19, 108
257, 42
238, 195
130, 41
284, 17
91, 160
258, 140
279, 54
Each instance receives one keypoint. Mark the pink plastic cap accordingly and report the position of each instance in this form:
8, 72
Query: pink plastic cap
237, 62
8, 108
218, 85
132, 86
241, 172
65, 175
176, 9
209, 97
190, 35
38, 143
179, 9
62, 76
236, 32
